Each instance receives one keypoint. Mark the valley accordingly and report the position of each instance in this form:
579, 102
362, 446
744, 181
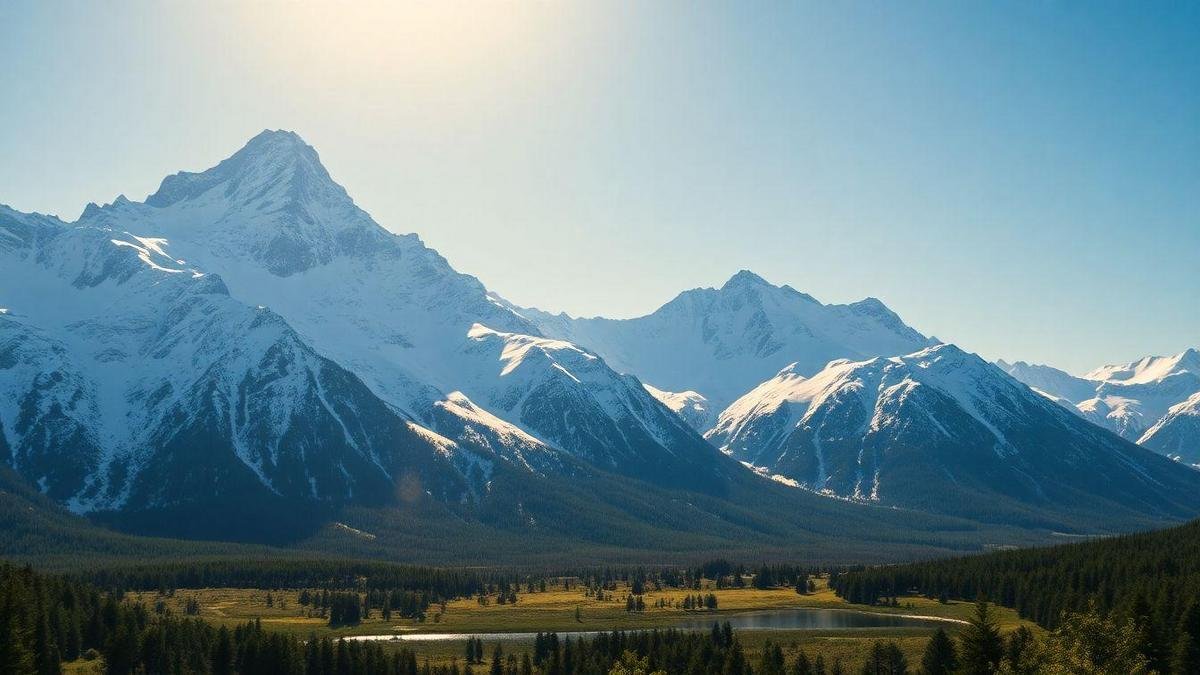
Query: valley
599, 338
552, 610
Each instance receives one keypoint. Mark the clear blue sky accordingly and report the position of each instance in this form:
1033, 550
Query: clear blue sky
1020, 178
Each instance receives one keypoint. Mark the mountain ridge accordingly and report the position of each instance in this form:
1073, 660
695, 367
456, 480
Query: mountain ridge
249, 340
1138, 400
937, 430
720, 342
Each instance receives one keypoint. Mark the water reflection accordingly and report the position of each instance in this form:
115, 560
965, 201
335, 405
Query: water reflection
805, 618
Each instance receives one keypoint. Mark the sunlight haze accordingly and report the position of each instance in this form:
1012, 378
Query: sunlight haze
598, 159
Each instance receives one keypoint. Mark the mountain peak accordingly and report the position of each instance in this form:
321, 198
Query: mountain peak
272, 159
745, 279
1149, 368
275, 142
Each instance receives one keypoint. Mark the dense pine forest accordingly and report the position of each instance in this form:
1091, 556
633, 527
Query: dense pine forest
45, 620
1150, 581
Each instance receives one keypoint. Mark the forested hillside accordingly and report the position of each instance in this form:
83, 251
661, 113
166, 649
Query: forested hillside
1151, 580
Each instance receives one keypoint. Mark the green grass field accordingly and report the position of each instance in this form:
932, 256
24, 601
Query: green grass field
555, 610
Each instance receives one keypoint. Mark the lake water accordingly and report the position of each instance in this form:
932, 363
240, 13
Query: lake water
772, 619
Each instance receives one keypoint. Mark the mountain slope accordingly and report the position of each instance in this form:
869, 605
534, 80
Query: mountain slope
1148, 369
571, 398
721, 342
249, 341
941, 430
1130, 399
396, 314
695, 410
144, 386
1177, 434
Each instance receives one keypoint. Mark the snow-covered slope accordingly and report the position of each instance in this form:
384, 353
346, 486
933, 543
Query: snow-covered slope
1148, 369
248, 338
1129, 399
940, 429
130, 381
281, 234
690, 405
1177, 434
1051, 382
721, 342
572, 399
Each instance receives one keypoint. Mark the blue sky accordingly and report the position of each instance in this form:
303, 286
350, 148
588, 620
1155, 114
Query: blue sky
1020, 178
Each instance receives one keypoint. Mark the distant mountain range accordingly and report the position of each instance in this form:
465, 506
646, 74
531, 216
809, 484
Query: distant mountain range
246, 354
1154, 401
719, 343
942, 430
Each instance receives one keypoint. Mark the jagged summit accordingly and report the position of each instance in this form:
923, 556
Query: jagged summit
744, 278
720, 342
1135, 399
748, 284
272, 159
271, 202
249, 338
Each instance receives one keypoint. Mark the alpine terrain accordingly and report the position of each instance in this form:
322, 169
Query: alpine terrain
709, 346
1152, 401
246, 354
943, 430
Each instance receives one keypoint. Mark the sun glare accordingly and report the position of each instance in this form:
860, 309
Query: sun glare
410, 40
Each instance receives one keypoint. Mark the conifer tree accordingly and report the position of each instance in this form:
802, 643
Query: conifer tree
1186, 656
981, 644
940, 657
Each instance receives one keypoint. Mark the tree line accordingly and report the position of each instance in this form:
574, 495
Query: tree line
45, 620
1144, 588
296, 573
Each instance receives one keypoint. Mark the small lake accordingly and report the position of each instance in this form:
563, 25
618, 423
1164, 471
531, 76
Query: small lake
809, 619
805, 618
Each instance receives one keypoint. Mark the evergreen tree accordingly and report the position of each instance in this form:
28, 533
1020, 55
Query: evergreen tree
16, 656
801, 666
1186, 656
981, 644
46, 659
1021, 655
940, 657
885, 659
222, 659
772, 660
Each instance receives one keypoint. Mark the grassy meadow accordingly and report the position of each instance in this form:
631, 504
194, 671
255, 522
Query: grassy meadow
571, 609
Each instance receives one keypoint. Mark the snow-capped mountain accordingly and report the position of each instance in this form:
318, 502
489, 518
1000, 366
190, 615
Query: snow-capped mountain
690, 405
1051, 382
571, 398
1130, 399
1148, 369
718, 343
1177, 434
130, 381
942, 430
271, 228
248, 340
